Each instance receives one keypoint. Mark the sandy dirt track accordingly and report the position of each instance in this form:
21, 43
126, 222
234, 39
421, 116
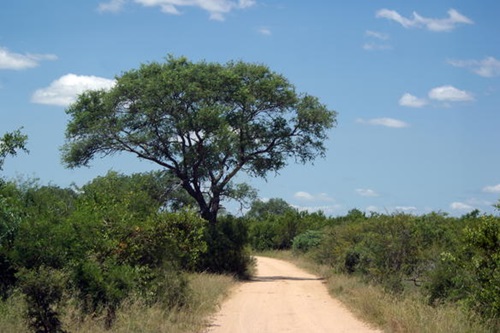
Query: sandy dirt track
284, 298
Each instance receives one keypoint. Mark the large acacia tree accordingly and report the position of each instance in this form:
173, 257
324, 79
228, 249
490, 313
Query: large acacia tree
205, 122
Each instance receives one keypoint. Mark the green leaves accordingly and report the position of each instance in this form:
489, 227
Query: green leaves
203, 121
11, 143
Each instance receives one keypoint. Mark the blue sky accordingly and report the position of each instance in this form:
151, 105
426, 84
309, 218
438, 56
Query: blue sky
416, 85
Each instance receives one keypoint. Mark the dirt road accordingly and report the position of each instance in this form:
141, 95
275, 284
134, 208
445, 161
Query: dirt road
284, 298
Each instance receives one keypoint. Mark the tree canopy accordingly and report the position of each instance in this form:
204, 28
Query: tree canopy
205, 122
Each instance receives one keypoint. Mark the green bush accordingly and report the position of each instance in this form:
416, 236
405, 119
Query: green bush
483, 248
44, 290
227, 252
306, 241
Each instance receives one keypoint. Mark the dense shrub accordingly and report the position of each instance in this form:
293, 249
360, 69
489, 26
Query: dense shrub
227, 252
43, 288
270, 230
471, 272
11, 215
112, 238
306, 241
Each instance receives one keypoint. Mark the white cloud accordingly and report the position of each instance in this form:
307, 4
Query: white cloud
113, 6
375, 46
63, 91
17, 61
316, 198
450, 94
265, 31
460, 206
412, 101
447, 24
371, 209
377, 35
387, 122
216, 8
405, 209
366, 192
492, 189
305, 196
488, 67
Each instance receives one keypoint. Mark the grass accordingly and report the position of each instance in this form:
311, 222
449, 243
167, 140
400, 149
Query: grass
207, 291
407, 313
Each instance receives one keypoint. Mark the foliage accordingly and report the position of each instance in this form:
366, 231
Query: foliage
11, 215
44, 290
111, 239
471, 273
453, 259
261, 210
205, 122
11, 143
482, 245
306, 241
274, 224
227, 251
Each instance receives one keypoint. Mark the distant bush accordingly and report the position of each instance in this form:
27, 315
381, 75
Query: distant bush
306, 241
270, 230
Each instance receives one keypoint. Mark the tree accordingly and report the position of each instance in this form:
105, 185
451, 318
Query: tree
260, 210
11, 143
205, 122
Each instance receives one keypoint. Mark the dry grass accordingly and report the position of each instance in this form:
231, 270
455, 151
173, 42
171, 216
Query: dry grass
134, 316
11, 315
393, 314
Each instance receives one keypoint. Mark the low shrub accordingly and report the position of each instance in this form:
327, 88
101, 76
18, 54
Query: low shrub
227, 242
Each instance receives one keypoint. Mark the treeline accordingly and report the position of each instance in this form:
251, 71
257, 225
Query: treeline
447, 259
97, 245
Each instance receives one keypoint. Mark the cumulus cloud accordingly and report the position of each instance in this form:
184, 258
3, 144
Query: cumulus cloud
63, 91
17, 61
450, 94
488, 67
492, 189
316, 202
386, 122
216, 8
460, 206
113, 6
305, 196
366, 192
417, 21
412, 101
405, 209
446, 94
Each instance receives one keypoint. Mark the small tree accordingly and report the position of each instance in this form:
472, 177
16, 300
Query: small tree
205, 122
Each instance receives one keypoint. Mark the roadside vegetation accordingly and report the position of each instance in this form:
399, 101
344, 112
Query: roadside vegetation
114, 254
401, 272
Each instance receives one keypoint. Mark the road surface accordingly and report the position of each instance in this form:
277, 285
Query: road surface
284, 298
